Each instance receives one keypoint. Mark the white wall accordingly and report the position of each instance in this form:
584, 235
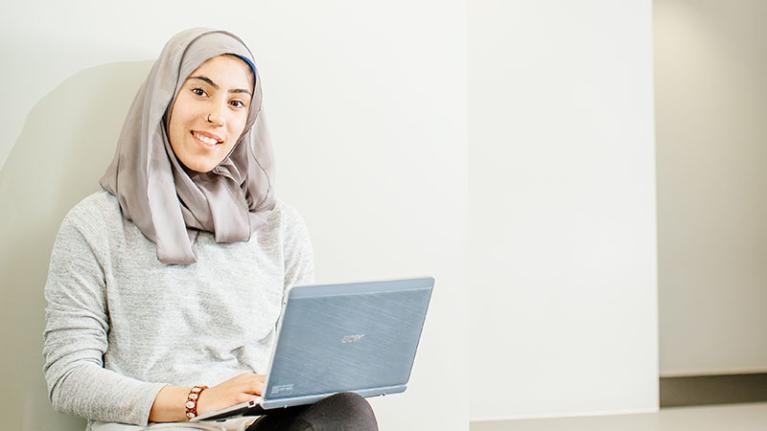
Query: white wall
562, 208
367, 112
711, 63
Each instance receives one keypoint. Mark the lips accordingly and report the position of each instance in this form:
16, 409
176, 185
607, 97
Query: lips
207, 138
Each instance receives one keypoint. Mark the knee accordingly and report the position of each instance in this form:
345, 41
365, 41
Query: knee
353, 409
349, 398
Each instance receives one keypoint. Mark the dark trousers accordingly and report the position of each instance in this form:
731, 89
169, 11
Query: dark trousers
345, 411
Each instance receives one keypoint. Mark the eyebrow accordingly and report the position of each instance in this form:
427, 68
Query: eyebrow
214, 85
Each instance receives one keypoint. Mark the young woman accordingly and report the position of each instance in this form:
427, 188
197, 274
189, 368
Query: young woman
165, 287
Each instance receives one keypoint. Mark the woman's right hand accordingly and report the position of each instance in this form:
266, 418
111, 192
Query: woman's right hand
239, 389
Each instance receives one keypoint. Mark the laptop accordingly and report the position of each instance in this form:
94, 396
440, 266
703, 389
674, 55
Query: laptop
350, 337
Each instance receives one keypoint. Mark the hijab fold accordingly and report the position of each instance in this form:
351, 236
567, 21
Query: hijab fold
169, 203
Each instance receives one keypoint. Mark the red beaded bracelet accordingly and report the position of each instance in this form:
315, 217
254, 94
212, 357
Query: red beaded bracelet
191, 401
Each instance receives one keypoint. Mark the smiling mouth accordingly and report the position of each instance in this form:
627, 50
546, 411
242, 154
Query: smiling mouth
206, 139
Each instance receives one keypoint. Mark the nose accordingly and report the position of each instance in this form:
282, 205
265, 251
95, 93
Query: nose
216, 114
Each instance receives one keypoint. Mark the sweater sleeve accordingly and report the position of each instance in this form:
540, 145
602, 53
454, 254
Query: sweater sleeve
299, 256
76, 328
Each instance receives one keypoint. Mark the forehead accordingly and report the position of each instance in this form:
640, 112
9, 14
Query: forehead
225, 70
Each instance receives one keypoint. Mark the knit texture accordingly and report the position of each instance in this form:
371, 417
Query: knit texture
120, 325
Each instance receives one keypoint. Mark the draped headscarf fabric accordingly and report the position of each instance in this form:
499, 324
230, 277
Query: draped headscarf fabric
169, 204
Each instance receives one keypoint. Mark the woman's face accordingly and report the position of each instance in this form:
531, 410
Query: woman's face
210, 112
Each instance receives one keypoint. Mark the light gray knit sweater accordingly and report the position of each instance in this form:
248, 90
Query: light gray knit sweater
120, 324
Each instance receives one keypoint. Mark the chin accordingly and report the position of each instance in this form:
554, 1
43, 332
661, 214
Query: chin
200, 167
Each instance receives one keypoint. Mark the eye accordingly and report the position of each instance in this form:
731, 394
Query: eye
238, 103
199, 91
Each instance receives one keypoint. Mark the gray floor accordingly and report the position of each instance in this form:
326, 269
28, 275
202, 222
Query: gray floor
717, 389
735, 417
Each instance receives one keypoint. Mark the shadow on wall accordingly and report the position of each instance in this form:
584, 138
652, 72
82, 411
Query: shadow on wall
65, 146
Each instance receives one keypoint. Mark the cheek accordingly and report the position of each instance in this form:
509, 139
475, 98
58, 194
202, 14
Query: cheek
189, 104
237, 127
179, 118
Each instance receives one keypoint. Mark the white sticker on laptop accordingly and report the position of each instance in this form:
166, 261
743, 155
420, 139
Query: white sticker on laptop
278, 389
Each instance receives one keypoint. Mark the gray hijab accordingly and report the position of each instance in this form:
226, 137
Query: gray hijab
168, 204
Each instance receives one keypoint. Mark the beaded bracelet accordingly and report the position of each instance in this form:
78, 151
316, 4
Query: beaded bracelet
191, 401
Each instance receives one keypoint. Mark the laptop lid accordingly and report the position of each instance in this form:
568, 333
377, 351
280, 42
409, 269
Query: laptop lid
351, 337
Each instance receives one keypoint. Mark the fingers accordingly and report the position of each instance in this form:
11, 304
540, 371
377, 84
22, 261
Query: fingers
247, 385
253, 384
256, 387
